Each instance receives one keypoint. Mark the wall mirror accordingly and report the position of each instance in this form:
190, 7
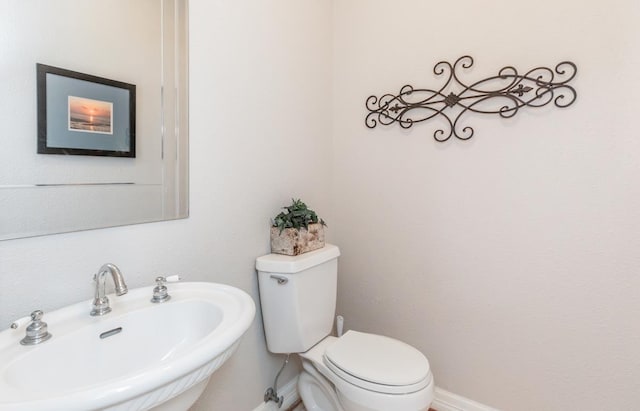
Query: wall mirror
141, 43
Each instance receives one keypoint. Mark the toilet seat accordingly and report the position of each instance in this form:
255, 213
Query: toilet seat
356, 394
378, 363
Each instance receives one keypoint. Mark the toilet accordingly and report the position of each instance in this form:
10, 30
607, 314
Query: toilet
353, 372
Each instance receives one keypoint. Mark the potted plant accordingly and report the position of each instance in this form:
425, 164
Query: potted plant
296, 230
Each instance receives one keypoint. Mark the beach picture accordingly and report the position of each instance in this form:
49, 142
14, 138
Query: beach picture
92, 116
85, 115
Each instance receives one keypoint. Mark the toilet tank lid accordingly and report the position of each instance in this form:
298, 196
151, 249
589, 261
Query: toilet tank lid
287, 264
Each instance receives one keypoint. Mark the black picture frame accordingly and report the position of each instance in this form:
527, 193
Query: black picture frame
82, 114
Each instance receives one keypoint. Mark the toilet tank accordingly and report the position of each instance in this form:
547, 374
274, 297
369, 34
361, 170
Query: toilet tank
298, 298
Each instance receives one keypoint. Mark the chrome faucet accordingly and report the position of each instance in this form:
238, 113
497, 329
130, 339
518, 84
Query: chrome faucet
100, 301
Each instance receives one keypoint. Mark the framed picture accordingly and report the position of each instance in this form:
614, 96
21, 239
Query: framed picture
81, 114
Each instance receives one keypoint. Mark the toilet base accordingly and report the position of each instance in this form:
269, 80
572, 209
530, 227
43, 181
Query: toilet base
317, 393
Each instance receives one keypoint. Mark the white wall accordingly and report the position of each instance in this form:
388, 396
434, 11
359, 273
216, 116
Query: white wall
260, 134
511, 260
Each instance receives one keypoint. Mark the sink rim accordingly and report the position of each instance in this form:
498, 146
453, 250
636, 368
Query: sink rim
238, 311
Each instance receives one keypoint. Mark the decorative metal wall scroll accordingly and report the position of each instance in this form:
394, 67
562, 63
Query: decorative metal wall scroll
503, 94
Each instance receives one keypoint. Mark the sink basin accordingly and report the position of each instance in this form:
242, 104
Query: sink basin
161, 358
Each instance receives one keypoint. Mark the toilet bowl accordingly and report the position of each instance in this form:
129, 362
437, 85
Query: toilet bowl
354, 372
365, 372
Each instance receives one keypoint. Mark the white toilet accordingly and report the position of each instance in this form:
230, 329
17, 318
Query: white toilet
355, 372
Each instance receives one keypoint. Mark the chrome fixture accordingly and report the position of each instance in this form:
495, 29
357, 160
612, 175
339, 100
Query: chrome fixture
160, 293
272, 392
36, 331
100, 301
111, 332
281, 280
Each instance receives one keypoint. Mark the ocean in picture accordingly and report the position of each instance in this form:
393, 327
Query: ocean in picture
88, 115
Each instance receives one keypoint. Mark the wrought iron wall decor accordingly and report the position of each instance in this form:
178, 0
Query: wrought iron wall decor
503, 94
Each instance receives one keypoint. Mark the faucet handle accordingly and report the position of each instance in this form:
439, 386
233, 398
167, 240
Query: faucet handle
173, 278
37, 331
160, 281
37, 315
160, 293
19, 322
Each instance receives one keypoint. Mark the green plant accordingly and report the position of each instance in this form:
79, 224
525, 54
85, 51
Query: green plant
298, 215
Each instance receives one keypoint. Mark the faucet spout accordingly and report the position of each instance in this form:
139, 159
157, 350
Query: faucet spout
100, 300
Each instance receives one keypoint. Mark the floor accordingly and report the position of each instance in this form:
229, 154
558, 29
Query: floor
300, 407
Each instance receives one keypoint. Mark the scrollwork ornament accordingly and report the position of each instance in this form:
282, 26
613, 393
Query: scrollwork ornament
503, 94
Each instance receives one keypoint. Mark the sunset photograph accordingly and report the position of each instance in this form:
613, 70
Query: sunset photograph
88, 115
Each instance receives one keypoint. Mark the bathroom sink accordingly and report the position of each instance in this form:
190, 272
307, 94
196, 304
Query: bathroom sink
150, 355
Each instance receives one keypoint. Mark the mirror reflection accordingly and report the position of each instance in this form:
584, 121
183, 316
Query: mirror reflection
140, 43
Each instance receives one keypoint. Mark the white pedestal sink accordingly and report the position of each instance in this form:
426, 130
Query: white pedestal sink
161, 358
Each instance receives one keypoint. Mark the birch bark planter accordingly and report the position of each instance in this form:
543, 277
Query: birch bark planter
293, 241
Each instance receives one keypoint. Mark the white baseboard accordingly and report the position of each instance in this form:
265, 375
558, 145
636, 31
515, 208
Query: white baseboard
444, 400
447, 401
290, 393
